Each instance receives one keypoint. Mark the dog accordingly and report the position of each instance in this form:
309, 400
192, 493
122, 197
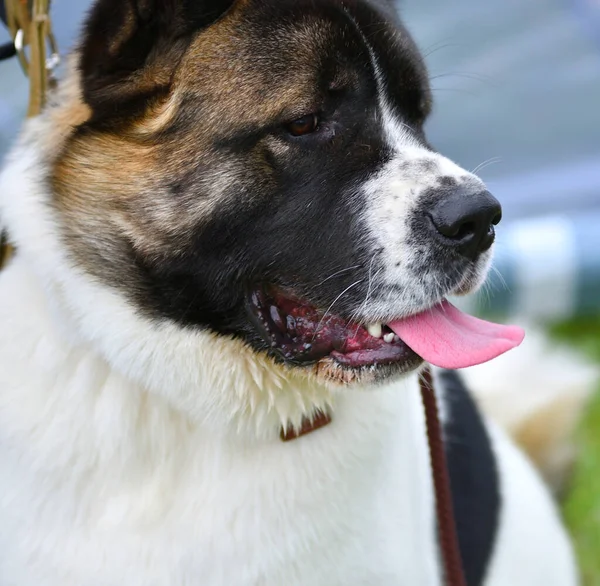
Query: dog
229, 223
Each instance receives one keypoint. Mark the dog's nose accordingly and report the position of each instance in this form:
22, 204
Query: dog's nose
465, 220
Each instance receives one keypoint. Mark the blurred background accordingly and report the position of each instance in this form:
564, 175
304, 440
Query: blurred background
517, 99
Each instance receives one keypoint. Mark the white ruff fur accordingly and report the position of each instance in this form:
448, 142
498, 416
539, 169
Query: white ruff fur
134, 452
105, 483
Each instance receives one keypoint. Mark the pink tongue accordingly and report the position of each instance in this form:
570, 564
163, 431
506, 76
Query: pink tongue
449, 338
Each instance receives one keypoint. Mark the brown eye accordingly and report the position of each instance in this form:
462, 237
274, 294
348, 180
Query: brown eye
304, 125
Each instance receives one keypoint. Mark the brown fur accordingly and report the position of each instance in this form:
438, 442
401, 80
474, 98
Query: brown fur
113, 188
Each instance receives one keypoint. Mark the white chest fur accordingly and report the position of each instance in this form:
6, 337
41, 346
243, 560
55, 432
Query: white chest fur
103, 483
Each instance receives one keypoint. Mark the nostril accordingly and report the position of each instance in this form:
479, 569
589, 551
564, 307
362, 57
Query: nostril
454, 230
497, 218
467, 229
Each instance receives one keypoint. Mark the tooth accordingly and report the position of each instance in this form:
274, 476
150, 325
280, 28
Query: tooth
375, 330
389, 338
396, 338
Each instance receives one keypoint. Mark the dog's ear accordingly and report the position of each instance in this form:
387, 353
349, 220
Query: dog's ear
130, 48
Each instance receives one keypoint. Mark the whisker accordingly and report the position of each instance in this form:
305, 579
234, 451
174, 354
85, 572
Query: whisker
501, 277
369, 288
486, 292
334, 302
337, 273
465, 75
491, 161
438, 47
369, 283
356, 314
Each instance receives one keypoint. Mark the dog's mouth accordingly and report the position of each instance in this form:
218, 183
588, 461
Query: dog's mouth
301, 334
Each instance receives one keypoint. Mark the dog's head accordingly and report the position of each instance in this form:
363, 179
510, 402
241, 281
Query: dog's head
258, 170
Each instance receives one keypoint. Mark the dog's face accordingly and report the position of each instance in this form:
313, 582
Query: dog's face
258, 168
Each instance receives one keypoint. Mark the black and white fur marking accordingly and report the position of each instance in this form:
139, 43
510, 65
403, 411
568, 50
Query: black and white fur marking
140, 409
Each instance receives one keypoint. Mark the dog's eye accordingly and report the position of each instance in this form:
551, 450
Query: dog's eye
303, 126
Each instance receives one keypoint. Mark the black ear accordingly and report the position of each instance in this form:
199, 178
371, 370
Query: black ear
122, 38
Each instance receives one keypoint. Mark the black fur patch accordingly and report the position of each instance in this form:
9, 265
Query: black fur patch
474, 479
122, 37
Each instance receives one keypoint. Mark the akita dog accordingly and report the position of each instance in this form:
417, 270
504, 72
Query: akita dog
229, 222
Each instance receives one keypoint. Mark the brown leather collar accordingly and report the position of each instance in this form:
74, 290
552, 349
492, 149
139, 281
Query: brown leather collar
320, 419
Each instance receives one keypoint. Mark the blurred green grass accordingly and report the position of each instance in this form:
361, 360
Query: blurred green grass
582, 504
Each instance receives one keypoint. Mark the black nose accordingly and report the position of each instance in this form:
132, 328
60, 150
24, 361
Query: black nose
465, 219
